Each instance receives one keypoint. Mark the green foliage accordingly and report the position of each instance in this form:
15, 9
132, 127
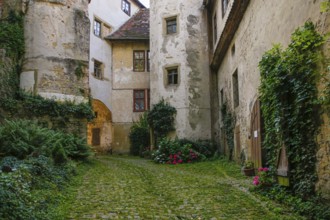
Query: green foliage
12, 36
325, 6
79, 72
288, 96
161, 118
205, 147
38, 106
21, 138
313, 208
12, 42
228, 120
139, 136
176, 152
32, 188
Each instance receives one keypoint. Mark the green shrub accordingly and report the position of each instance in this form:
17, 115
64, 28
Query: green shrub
161, 118
21, 138
32, 188
139, 136
205, 147
313, 208
172, 152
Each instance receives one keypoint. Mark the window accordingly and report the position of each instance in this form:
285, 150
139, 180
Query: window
171, 25
126, 7
224, 7
101, 29
148, 61
141, 100
235, 89
98, 69
97, 28
138, 61
172, 76
215, 28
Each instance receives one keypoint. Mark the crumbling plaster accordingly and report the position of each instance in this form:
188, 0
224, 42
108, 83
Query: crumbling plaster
188, 50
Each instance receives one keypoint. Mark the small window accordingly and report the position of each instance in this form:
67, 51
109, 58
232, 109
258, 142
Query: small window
235, 89
224, 7
126, 7
215, 29
148, 61
171, 24
97, 28
98, 69
172, 76
138, 61
233, 50
141, 102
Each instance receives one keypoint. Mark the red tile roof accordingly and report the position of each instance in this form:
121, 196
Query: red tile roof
136, 28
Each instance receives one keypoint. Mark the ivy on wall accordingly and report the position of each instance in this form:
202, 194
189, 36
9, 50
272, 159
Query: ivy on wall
161, 118
11, 46
289, 105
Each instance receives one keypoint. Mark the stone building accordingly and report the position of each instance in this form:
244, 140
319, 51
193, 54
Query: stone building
57, 48
130, 77
108, 17
240, 32
180, 67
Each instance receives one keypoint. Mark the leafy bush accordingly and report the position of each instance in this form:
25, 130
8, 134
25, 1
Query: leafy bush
139, 136
161, 118
172, 152
28, 191
21, 138
205, 147
313, 208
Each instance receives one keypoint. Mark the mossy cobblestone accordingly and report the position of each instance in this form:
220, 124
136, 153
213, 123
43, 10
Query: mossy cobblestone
133, 188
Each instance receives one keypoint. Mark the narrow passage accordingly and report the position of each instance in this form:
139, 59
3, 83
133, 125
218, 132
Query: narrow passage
133, 188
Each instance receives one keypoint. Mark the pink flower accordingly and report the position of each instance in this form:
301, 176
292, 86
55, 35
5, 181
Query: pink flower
260, 169
175, 156
180, 161
171, 156
255, 182
266, 169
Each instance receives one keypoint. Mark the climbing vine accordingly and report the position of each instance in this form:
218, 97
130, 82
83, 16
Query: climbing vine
161, 118
228, 121
289, 95
12, 50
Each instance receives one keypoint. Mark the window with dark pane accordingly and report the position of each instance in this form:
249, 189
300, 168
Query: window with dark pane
98, 69
139, 100
148, 61
126, 7
172, 76
97, 28
235, 89
138, 61
171, 25
224, 7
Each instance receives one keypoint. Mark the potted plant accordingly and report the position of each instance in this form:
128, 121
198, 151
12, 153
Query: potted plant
248, 168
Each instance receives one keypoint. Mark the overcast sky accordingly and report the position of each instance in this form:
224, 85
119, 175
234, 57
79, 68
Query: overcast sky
145, 3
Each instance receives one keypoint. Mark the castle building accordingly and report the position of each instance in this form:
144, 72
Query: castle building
112, 77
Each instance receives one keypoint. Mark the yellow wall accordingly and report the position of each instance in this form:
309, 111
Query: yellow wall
102, 121
124, 81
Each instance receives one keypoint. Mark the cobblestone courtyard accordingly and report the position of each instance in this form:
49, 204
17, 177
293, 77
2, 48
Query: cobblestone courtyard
133, 188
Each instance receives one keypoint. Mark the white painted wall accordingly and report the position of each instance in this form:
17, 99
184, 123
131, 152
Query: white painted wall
111, 14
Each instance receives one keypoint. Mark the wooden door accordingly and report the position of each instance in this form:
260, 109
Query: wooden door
96, 136
256, 133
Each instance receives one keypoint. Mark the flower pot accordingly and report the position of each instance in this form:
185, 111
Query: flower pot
249, 171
